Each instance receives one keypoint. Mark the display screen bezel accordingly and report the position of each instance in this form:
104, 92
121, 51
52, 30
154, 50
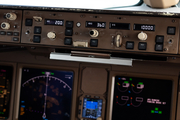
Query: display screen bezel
144, 75
18, 84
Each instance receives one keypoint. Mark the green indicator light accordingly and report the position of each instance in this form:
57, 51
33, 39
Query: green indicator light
52, 73
43, 72
1, 91
156, 109
130, 79
2, 113
152, 111
140, 83
126, 82
160, 112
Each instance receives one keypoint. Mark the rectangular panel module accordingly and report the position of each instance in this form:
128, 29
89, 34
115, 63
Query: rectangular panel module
45, 94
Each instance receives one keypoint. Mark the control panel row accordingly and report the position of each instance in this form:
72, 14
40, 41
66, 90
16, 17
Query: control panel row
95, 31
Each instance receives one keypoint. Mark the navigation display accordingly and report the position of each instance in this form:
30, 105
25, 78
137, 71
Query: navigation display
92, 108
141, 99
45, 94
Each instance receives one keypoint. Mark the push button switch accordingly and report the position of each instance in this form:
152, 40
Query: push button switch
2, 33
171, 30
28, 22
16, 34
69, 24
67, 41
159, 39
94, 42
68, 32
37, 39
9, 33
37, 30
142, 46
158, 47
15, 39
129, 45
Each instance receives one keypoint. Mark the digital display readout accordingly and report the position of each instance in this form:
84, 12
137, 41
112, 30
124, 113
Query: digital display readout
141, 99
92, 108
123, 26
144, 27
54, 22
95, 24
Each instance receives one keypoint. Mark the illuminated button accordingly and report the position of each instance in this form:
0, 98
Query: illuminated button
9, 33
2, 33
15, 39
68, 32
28, 22
142, 46
16, 33
67, 41
94, 42
171, 30
158, 47
37, 39
69, 24
129, 45
37, 30
159, 39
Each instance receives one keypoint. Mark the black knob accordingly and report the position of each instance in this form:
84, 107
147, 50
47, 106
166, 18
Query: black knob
91, 32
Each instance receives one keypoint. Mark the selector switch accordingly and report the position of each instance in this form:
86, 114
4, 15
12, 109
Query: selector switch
118, 40
11, 16
5, 25
94, 33
51, 35
142, 36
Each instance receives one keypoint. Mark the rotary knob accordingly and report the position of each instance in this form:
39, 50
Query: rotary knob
118, 40
11, 16
142, 36
94, 33
51, 35
5, 25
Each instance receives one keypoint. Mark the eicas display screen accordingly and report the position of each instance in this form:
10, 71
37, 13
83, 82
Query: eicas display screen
141, 99
45, 94
92, 108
